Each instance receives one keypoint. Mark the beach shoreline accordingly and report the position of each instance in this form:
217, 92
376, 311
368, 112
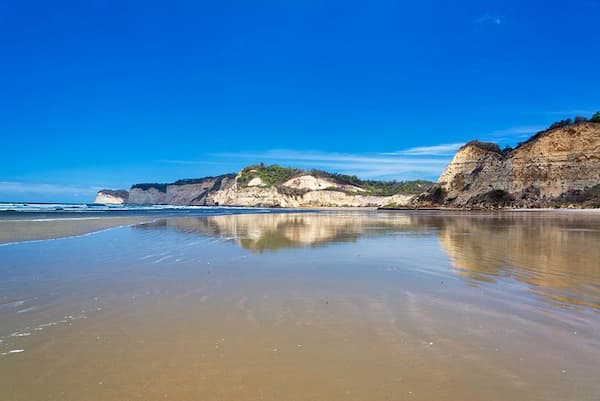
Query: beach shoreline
206, 302
53, 225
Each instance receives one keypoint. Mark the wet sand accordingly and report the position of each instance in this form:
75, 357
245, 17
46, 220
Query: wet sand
15, 230
331, 305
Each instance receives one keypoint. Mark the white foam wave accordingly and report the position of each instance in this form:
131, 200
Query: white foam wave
57, 207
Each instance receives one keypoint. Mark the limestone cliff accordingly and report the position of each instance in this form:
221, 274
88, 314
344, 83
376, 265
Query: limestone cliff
112, 197
183, 192
292, 195
557, 167
275, 186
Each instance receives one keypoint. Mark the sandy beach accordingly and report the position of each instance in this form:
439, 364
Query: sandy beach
341, 305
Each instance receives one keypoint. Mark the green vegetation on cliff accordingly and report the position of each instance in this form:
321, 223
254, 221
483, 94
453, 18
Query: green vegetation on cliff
492, 147
275, 175
118, 193
489, 146
162, 187
562, 124
381, 188
270, 175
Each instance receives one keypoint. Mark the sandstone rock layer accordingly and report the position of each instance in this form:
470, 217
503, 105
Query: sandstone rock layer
547, 170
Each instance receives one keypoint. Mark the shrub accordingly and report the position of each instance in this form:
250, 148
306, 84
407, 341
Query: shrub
147, 186
596, 117
162, 187
560, 124
276, 175
270, 175
121, 193
489, 146
187, 181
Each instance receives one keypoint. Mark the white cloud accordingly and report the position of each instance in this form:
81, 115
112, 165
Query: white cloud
529, 129
365, 166
514, 133
445, 149
17, 187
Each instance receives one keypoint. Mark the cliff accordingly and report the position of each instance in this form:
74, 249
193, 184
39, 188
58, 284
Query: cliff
276, 186
182, 192
557, 167
112, 197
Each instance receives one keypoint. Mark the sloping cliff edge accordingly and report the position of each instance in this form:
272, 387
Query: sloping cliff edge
559, 167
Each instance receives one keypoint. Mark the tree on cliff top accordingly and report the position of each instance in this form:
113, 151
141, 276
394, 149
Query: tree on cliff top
596, 117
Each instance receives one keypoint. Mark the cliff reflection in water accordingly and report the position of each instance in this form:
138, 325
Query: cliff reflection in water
271, 232
556, 254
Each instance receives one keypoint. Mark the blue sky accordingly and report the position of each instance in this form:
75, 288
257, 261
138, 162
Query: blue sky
106, 94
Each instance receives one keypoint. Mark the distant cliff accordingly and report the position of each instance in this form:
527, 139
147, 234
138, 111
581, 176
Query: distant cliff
559, 167
182, 192
112, 197
274, 186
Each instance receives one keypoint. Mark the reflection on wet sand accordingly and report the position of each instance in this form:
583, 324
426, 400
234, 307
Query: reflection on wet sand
558, 256
555, 254
312, 306
277, 231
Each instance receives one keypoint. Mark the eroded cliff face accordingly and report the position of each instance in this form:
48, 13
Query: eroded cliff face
295, 194
554, 168
112, 197
303, 191
179, 194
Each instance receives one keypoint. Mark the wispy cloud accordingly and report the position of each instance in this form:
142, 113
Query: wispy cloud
17, 187
524, 129
445, 149
513, 133
489, 19
366, 166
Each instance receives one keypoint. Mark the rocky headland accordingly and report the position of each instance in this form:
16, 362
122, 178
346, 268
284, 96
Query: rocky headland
558, 167
112, 197
271, 186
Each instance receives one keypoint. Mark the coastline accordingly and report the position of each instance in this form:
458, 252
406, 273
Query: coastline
26, 226
55, 226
